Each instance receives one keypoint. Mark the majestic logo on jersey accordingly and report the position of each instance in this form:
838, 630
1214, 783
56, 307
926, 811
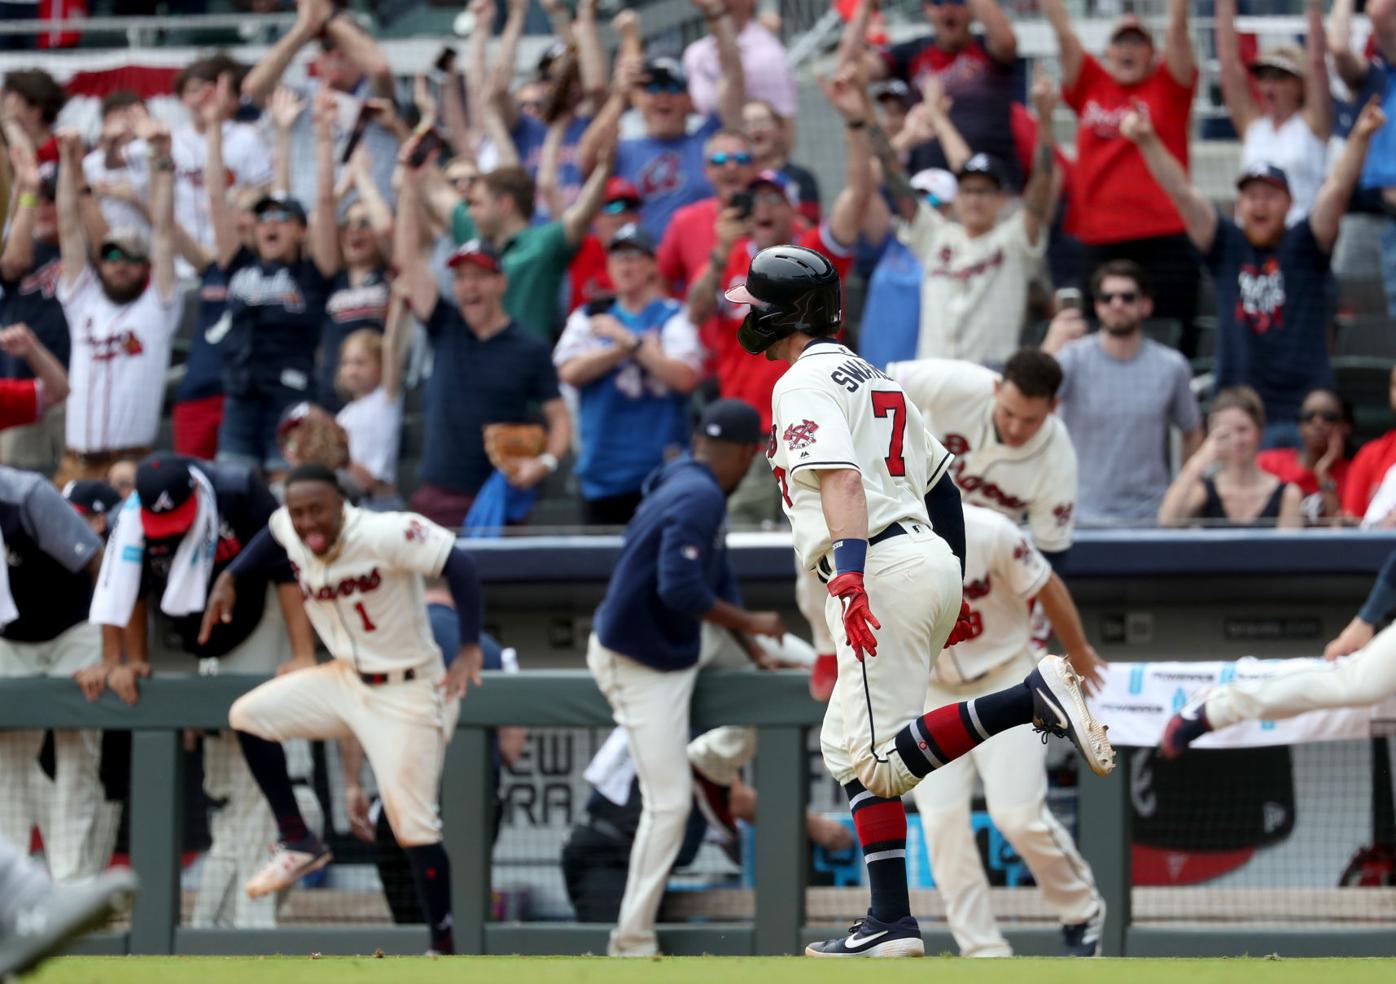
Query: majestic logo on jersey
1062, 514
800, 435
344, 588
955, 443
974, 590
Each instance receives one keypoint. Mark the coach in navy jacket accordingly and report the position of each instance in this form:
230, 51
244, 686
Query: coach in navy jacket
672, 575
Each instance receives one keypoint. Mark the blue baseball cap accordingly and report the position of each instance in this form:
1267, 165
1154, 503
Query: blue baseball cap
1266, 173
733, 421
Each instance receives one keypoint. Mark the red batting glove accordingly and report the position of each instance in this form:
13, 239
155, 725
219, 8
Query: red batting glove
858, 619
964, 627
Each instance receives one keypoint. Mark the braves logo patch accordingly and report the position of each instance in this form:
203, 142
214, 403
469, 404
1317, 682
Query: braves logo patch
800, 435
1062, 514
415, 532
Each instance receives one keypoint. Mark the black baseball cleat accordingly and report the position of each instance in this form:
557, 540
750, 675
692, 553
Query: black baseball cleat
1083, 939
60, 915
1059, 708
874, 938
1184, 728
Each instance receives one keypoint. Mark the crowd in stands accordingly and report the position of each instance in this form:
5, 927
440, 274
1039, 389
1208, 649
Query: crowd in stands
554, 251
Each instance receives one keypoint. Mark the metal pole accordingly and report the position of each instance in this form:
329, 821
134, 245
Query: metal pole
781, 845
157, 808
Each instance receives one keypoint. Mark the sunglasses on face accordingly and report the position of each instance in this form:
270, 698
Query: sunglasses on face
1327, 416
671, 88
1123, 296
359, 223
531, 105
618, 208
739, 157
115, 254
274, 215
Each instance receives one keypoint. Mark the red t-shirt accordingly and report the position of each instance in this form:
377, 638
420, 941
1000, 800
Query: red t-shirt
687, 243
19, 402
1284, 464
587, 274
1369, 467
741, 375
1113, 196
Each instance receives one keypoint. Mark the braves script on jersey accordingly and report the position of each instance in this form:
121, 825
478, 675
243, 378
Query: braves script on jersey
1036, 480
1003, 571
365, 598
832, 410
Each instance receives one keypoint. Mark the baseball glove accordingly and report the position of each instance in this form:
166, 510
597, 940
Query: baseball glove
308, 433
509, 444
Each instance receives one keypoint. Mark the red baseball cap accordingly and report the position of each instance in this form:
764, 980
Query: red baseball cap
477, 252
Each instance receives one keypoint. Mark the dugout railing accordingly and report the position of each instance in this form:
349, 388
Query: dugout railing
776, 703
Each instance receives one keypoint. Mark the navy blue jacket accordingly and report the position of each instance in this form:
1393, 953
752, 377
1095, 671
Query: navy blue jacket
673, 565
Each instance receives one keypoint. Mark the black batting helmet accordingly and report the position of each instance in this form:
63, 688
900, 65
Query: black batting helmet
790, 289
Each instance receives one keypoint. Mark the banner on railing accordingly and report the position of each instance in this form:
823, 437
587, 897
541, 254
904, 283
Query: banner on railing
1139, 698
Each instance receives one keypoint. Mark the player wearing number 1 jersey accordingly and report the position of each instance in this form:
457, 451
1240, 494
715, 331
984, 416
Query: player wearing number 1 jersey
876, 514
361, 576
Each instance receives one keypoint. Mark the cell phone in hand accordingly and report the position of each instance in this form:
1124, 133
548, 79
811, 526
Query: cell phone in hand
431, 140
1068, 299
356, 134
742, 202
446, 61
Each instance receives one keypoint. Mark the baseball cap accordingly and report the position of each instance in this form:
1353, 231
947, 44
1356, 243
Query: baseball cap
284, 202
477, 252
550, 54
165, 484
937, 182
777, 180
130, 240
91, 497
1283, 58
621, 190
893, 89
631, 236
664, 70
983, 164
1129, 24
1264, 172
733, 421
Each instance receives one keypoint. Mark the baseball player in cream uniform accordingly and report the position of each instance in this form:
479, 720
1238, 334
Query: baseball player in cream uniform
361, 576
1012, 453
1003, 573
874, 511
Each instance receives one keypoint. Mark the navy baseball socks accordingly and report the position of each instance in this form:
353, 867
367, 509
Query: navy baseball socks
267, 762
431, 871
1049, 699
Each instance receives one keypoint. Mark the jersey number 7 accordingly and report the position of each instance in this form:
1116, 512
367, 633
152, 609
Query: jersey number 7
892, 402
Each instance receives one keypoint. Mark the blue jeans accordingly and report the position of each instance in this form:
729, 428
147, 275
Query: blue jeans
247, 435
1388, 265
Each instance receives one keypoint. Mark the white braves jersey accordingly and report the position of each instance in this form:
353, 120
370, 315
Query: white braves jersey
1035, 482
1003, 572
366, 598
833, 410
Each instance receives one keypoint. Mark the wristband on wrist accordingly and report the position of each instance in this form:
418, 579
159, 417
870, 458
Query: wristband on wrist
850, 556
855, 124
27, 199
548, 461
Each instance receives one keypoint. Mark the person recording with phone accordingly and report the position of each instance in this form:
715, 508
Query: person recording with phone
1223, 484
1121, 392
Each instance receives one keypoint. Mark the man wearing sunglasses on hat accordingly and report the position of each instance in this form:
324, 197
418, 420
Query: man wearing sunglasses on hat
666, 163
122, 311
1120, 393
588, 273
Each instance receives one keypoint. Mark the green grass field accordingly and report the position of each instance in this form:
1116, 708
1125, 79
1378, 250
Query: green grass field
701, 970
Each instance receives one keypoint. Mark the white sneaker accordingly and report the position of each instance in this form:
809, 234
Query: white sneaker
1059, 708
288, 865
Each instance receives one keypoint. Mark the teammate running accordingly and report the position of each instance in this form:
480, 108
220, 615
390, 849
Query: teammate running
361, 575
875, 512
1003, 572
1368, 676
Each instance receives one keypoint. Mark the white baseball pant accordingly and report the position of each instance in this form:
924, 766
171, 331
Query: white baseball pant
1013, 766
403, 727
914, 589
67, 808
653, 708
1365, 677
